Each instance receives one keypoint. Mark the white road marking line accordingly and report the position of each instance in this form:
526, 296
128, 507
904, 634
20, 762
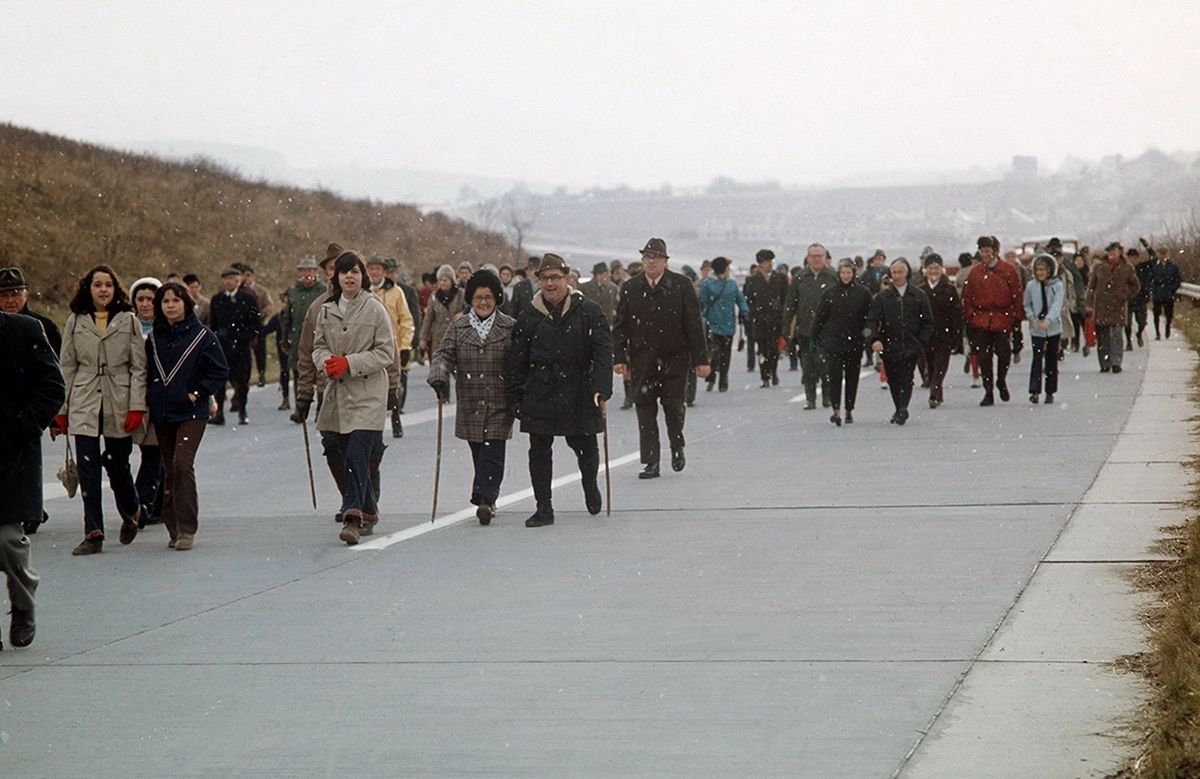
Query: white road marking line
383, 542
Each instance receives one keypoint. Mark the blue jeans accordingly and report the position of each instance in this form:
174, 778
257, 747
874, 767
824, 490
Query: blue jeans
359, 494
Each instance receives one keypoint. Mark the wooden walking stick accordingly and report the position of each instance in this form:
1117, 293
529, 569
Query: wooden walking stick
437, 468
607, 480
308, 456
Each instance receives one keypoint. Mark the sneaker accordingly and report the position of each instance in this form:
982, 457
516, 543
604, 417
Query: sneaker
89, 546
184, 542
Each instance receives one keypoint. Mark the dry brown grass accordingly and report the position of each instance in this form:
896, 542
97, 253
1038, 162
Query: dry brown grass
66, 206
1169, 743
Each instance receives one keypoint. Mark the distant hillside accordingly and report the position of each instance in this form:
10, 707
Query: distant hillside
67, 206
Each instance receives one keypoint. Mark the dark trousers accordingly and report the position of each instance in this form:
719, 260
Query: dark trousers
768, 358
1135, 310
1018, 336
238, 403
722, 346
283, 373
748, 334
812, 365
333, 447
987, 343
260, 354
1166, 307
1077, 320
1110, 349
403, 388
115, 461
900, 370
488, 457
179, 442
149, 480
793, 350
842, 368
541, 463
359, 478
1045, 361
647, 416
937, 363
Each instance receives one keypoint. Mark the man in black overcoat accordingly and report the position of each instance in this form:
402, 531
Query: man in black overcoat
658, 337
559, 370
233, 316
30, 395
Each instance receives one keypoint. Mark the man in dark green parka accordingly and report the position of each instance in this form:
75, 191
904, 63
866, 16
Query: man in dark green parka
559, 369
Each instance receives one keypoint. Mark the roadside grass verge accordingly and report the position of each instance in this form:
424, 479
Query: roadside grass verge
1169, 726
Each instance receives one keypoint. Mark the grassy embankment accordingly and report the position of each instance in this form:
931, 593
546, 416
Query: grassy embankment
66, 206
1169, 728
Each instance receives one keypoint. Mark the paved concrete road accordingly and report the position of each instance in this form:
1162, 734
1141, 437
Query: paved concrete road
801, 601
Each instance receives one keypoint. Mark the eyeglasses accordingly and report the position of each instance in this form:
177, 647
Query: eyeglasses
551, 277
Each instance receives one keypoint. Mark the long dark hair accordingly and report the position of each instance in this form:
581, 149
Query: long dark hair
181, 292
82, 303
346, 261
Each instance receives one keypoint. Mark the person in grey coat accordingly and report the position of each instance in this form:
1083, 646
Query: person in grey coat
29, 398
475, 350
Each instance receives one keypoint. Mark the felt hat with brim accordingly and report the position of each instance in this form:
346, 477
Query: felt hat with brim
390, 264
12, 278
230, 271
377, 260
599, 268
308, 263
656, 246
552, 262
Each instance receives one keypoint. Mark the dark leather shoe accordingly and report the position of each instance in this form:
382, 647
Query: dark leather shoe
1116, 369
219, 419
484, 513
1003, 390
988, 400
901, 416
540, 519
677, 460
22, 627
649, 472
129, 531
849, 417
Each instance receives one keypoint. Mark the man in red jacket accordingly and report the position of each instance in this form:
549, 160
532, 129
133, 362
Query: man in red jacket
992, 297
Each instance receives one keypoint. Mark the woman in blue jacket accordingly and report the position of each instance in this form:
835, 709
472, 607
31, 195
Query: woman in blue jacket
1043, 310
723, 305
185, 368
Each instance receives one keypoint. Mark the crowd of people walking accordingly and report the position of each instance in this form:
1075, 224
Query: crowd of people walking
151, 364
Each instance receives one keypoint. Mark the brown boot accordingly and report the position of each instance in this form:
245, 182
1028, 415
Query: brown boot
184, 542
350, 531
89, 546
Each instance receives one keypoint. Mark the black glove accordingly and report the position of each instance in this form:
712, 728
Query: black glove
441, 389
302, 407
393, 400
405, 356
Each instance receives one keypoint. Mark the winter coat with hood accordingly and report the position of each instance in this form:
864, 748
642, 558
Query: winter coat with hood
992, 297
559, 359
182, 358
841, 316
363, 334
904, 323
1109, 289
1054, 298
478, 367
105, 374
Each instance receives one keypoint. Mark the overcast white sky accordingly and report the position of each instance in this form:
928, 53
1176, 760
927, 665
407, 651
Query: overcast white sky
602, 93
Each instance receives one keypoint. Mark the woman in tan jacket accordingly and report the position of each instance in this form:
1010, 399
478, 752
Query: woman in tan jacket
446, 304
354, 344
104, 366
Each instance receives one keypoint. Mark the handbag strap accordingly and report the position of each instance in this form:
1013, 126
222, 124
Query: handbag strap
68, 460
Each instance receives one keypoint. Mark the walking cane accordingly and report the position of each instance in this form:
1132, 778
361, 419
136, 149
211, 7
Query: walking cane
437, 468
607, 479
308, 456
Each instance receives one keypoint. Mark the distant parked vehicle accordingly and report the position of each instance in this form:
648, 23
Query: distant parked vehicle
1035, 246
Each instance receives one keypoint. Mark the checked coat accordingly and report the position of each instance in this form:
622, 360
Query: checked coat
478, 367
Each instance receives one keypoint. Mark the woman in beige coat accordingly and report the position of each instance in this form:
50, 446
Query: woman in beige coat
104, 366
446, 304
354, 344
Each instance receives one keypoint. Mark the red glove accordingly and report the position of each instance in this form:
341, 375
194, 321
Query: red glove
60, 422
335, 366
133, 420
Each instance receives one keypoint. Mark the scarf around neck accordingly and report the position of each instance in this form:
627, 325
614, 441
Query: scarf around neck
481, 326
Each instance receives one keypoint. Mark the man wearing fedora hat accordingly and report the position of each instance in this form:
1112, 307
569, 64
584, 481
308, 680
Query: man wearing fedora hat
300, 297
657, 337
14, 299
601, 291
559, 370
